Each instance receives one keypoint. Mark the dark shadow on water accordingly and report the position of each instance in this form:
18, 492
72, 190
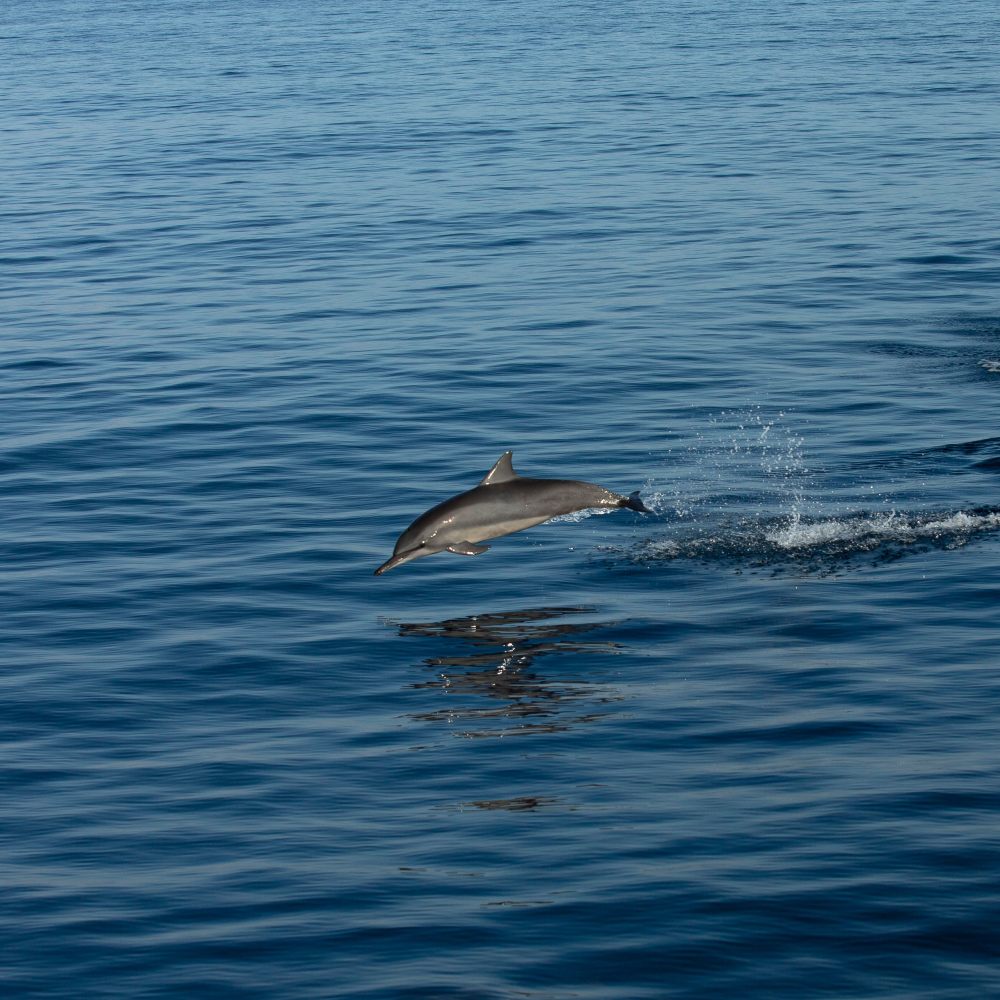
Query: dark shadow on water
485, 667
522, 803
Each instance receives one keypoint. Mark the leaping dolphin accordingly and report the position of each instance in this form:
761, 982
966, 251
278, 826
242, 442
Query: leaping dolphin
502, 503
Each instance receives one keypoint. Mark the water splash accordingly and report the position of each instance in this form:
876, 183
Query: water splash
824, 545
740, 459
862, 530
742, 495
581, 515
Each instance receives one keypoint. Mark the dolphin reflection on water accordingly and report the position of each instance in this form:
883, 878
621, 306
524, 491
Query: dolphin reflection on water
501, 504
487, 666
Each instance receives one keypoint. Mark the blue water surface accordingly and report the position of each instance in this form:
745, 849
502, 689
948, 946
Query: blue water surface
277, 277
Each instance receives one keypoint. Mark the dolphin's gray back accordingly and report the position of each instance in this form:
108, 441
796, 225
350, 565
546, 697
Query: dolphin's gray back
551, 497
530, 498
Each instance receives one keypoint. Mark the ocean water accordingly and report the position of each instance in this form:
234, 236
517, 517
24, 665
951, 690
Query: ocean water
275, 278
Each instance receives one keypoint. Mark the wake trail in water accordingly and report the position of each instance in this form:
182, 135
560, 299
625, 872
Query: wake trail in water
821, 545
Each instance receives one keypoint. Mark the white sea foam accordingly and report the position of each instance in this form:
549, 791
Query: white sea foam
823, 545
889, 527
580, 515
990, 364
798, 534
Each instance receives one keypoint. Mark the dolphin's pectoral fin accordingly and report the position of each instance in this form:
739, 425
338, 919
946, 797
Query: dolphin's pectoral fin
467, 549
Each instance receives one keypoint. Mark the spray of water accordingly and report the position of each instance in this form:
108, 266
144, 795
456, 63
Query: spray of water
737, 460
742, 494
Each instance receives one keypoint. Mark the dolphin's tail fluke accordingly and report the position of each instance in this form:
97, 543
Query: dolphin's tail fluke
633, 502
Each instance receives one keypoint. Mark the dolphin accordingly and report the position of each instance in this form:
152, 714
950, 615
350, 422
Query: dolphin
501, 504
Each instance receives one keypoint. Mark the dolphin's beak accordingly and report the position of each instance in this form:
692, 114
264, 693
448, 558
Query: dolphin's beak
396, 560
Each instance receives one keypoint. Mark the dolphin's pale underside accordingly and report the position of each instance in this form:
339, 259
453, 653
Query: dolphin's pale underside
502, 503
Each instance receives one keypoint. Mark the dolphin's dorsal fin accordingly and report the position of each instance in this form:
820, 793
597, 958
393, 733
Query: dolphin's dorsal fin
502, 472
